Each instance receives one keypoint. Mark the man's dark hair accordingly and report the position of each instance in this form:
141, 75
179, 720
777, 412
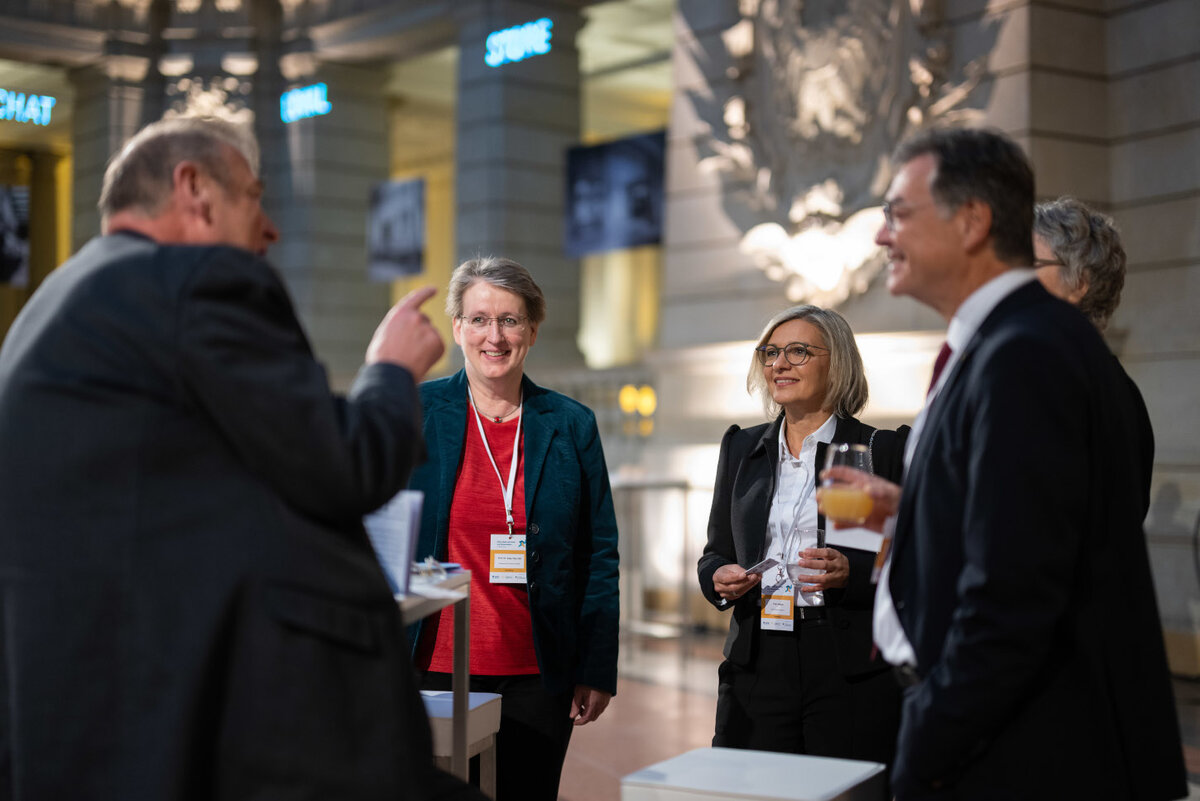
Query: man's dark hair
975, 164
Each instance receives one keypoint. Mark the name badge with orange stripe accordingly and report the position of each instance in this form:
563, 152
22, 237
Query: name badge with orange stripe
507, 559
778, 611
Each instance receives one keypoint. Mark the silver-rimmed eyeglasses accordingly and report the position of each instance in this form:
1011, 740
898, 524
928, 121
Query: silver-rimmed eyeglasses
890, 209
796, 353
507, 322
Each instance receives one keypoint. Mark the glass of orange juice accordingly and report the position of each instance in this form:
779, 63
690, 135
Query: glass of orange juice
840, 502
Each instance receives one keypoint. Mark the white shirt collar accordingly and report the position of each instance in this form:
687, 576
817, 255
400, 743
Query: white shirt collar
822, 434
979, 304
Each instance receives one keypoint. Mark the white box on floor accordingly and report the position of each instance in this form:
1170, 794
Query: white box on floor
732, 774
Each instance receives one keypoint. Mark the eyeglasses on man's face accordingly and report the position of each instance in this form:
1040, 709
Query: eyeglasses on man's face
796, 353
893, 210
507, 322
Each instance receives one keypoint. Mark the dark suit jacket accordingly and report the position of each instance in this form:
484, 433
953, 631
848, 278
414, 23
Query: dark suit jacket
571, 529
191, 608
737, 533
1021, 577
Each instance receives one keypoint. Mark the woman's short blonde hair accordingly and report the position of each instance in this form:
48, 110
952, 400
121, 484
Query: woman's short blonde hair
847, 392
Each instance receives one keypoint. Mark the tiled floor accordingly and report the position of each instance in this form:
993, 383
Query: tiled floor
665, 706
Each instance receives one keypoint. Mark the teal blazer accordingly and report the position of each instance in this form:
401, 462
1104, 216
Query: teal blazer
571, 530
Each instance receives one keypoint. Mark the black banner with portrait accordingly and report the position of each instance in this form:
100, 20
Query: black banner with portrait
615, 194
14, 235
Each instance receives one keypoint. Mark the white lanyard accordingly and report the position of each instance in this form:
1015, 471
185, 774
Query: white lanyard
512, 470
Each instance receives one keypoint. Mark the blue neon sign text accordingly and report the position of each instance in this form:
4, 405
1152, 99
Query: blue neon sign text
20, 107
307, 101
518, 42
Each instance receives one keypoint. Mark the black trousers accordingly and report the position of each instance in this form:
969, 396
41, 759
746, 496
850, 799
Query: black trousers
535, 729
794, 699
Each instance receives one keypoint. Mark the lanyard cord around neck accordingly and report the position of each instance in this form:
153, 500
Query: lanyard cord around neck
512, 470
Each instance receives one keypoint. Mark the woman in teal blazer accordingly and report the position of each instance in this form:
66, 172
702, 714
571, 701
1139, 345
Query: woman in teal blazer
566, 519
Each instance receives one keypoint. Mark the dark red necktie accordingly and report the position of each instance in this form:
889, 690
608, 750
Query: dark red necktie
938, 365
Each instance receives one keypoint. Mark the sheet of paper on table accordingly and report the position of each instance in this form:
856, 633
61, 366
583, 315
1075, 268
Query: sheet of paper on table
393, 530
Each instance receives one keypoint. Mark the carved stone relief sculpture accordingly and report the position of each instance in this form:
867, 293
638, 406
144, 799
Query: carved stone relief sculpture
818, 92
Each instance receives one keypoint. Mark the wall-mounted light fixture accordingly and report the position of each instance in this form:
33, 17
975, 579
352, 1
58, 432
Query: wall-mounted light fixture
638, 404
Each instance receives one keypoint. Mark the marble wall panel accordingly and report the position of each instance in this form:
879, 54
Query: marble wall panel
1170, 388
1155, 99
1069, 105
1162, 232
1149, 34
1159, 313
1147, 168
1068, 40
1070, 167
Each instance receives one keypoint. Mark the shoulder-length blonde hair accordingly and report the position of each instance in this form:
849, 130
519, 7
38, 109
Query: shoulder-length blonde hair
847, 391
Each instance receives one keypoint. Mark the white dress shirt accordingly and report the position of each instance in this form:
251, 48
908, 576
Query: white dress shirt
795, 501
889, 634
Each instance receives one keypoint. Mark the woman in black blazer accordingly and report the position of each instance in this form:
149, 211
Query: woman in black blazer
818, 688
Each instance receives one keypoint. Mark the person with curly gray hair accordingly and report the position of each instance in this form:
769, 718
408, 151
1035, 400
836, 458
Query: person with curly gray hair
1079, 257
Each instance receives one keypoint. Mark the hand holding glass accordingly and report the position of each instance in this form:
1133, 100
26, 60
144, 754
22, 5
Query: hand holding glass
841, 502
796, 540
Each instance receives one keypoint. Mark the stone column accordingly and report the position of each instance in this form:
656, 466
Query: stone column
515, 122
108, 110
319, 172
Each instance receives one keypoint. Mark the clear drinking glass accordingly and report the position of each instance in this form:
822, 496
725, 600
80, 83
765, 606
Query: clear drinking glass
839, 501
796, 540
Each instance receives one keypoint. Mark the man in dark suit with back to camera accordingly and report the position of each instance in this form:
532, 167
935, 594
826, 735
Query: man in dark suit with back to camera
190, 605
1018, 601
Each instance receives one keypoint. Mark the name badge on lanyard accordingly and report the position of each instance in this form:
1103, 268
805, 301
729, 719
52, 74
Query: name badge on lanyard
507, 559
506, 556
778, 611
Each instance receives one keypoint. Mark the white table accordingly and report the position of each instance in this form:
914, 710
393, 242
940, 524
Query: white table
428, 597
732, 774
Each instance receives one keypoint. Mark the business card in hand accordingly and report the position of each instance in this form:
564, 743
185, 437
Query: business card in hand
763, 566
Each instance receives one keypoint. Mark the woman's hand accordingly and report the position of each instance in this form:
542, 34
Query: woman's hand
832, 561
885, 496
732, 582
588, 703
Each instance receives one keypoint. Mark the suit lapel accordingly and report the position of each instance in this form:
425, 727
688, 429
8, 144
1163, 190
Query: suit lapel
914, 474
759, 488
446, 437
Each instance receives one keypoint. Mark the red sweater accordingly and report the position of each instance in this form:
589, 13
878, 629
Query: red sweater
501, 629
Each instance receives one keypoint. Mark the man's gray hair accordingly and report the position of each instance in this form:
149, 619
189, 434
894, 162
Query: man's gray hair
1089, 247
141, 175
846, 394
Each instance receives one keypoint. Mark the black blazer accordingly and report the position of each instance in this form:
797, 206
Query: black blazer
737, 532
1021, 577
190, 606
